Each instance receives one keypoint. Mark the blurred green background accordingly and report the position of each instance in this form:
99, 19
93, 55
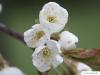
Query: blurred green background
84, 21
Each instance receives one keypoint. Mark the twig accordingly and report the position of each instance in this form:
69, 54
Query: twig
45, 73
39, 73
12, 33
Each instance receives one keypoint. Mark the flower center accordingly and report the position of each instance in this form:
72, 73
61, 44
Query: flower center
39, 34
51, 19
46, 51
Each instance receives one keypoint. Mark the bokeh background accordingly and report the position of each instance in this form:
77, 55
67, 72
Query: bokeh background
20, 15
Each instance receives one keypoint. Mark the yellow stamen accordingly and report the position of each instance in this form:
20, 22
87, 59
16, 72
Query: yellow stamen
39, 34
46, 51
51, 19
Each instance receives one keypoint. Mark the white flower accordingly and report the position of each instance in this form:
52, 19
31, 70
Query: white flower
0, 8
11, 71
47, 56
82, 67
35, 36
67, 40
53, 17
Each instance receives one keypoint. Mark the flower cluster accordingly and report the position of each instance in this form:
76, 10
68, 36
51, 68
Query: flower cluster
47, 54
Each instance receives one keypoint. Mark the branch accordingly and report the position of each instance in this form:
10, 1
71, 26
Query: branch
83, 53
90, 57
12, 33
39, 73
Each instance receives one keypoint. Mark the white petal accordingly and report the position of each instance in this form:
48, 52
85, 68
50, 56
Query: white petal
68, 40
11, 71
39, 61
51, 4
31, 39
54, 46
57, 60
1, 73
83, 67
59, 14
37, 50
